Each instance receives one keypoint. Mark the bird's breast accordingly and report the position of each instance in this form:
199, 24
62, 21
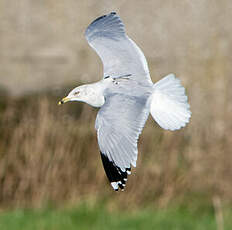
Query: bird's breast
97, 101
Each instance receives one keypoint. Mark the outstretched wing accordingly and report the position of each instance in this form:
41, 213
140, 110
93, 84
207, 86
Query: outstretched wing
119, 123
119, 54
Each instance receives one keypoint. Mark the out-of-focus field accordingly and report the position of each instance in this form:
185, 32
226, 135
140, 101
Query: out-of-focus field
49, 154
96, 217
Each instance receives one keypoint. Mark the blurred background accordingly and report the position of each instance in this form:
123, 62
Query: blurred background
49, 157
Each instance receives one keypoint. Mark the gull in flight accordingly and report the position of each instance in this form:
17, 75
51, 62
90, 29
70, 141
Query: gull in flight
126, 96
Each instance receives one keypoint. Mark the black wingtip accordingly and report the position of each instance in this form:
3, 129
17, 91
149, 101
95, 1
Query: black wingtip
103, 16
116, 176
97, 19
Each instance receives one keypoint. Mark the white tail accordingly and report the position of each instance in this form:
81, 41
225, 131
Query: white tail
169, 104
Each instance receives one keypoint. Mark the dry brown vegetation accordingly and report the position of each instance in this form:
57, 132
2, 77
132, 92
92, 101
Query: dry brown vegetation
50, 153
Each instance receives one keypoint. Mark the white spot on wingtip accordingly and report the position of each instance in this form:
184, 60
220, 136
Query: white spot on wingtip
114, 185
134, 163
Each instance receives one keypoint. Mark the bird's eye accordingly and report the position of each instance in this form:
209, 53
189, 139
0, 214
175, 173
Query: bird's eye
76, 93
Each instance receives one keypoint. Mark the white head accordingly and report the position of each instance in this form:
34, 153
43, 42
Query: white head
77, 94
85, 93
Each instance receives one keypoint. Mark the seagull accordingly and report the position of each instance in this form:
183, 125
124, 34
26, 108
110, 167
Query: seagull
126, 96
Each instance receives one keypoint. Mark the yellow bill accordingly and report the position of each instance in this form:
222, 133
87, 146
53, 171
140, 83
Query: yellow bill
64, 100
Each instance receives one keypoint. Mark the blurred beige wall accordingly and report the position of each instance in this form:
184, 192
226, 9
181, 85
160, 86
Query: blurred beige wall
42, 42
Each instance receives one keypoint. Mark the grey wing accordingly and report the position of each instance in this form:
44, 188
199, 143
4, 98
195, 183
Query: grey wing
119, 123
119, 54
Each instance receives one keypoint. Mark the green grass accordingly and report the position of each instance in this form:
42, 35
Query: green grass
84, 217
